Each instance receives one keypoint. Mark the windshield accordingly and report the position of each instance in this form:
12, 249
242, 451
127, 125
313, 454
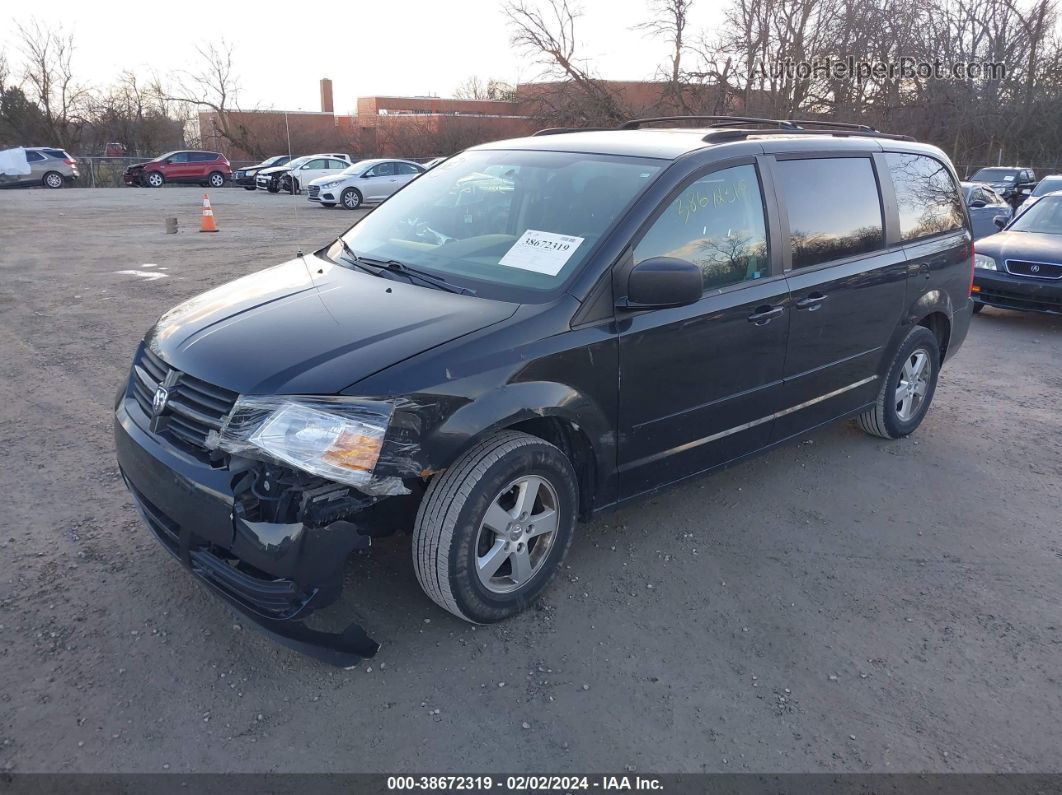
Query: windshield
1047, 184
1045, 217
355, 169
995, 175
298, 161
279, 160
508, 224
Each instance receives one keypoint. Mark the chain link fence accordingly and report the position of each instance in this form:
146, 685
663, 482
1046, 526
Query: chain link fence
106, 172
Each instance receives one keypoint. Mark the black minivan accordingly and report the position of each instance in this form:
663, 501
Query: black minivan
533, 332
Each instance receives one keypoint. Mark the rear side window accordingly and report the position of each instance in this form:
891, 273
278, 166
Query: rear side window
57, 153
407, 168
926, 195
717, 223
834, 208
203, 157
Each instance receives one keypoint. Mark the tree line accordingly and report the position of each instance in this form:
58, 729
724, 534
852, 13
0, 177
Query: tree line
739, 65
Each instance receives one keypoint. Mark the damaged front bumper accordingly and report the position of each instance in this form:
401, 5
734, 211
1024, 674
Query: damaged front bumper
212, 519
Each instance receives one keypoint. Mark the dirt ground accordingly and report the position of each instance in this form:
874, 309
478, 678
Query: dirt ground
842, 604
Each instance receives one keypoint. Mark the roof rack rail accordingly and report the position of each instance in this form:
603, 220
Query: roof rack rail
724, 136
562, 130
840, 125
720, 121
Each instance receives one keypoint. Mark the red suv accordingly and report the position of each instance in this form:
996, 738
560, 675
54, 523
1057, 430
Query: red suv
209, 169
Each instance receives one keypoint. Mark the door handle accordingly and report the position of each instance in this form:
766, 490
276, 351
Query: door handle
765, 314
812, 302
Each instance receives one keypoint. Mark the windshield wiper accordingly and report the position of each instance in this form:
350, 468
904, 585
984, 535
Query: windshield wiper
438, 282
356, 261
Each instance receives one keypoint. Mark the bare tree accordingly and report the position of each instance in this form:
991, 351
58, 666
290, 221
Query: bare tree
213, 87
48, 80
668, 22
547, 34
490, 88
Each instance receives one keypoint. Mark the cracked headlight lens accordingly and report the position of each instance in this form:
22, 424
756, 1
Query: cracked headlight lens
320, 442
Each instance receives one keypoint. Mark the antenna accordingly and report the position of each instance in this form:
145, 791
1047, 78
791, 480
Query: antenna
294, 195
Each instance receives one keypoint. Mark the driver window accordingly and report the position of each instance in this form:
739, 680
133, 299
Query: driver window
318, 163
718, 224
384, 170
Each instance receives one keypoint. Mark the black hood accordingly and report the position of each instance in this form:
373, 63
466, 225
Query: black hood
1035, 246
279, 331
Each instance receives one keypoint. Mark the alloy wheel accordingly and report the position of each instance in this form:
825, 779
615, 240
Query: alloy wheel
516, 534
914, 382
53, 180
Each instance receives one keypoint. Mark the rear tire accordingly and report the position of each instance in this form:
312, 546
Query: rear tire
907, 390
53, 179
476, 549
216, 179
248, 187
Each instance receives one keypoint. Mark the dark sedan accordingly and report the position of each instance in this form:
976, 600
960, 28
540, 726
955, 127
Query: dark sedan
245, 177
1021, 267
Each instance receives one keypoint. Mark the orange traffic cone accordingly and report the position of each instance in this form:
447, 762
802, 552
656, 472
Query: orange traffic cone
208, 224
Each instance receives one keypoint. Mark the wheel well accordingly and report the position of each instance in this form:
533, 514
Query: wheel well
573, 443
938, 323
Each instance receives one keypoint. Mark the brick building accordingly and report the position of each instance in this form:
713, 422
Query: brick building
428, 126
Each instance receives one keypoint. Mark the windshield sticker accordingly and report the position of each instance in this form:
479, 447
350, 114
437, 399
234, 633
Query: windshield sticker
541, 252
1008, 178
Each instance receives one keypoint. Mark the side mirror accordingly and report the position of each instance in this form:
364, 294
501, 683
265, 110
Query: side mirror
366, 175
167, 162
1000, 221
977, 203
661, 282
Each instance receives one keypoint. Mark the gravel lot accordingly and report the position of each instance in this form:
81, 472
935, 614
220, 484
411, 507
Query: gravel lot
842, 604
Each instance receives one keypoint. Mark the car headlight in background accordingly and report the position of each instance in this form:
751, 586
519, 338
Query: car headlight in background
985, 262
339, 439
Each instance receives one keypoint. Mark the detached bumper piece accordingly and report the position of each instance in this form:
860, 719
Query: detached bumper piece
273, 604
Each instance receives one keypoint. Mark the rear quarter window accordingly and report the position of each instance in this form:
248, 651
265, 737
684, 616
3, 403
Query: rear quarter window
926, 195
834, 208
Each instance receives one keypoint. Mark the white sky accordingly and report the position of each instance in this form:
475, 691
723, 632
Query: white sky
366, 46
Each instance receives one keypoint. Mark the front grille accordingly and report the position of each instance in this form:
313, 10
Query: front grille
193, 409
315, 190
1036, 270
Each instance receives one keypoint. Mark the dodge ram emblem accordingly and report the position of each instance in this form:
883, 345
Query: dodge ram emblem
158, 403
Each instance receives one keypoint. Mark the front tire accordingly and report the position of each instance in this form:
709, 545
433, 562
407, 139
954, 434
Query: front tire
53, 179
153, 179
351, 198
274, 187
248, 187
494, 527
978, 306
908, 388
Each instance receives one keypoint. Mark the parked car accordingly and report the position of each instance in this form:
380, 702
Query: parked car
984, 205
48, 166
532, 333
1021, 267
365, 182
208, 169
1048, 184
1012, 183
305, 169
245, 177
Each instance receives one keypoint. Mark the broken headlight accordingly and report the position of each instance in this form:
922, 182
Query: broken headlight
340, 439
